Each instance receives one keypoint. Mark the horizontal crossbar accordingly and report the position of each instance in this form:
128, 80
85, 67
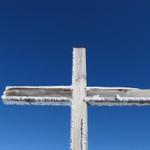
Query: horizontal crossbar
117, 96
38, 95
62, 95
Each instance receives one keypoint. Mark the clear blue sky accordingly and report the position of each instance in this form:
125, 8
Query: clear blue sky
36, 40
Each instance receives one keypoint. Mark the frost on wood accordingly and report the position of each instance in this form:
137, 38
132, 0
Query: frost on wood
79, 107
112, 92
117, 100
117, 96
37, 95
109, 88
30, 100
55, 91
79, 64
84, 136
78, 96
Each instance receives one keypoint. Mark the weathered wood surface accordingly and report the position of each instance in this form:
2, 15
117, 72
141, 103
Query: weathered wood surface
117, 96
122, 91
38, 95
78, 96
79, 122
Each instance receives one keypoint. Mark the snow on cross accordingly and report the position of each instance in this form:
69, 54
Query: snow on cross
77, 96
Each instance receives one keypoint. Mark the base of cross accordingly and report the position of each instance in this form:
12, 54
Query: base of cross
78, 96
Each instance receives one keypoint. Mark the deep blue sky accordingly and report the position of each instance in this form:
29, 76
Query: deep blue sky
36, 40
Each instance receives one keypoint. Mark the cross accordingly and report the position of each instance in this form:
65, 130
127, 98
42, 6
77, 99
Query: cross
78, 96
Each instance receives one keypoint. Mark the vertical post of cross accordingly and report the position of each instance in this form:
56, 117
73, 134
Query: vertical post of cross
79, 130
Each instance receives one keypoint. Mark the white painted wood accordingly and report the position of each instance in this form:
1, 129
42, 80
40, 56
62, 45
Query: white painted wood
79, 124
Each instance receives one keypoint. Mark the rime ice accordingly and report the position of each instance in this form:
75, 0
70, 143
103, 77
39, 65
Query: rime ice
77, 96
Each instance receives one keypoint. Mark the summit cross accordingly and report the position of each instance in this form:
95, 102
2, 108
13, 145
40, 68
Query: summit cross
78, 96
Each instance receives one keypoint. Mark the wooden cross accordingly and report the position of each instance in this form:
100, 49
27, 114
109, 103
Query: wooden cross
78, 96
